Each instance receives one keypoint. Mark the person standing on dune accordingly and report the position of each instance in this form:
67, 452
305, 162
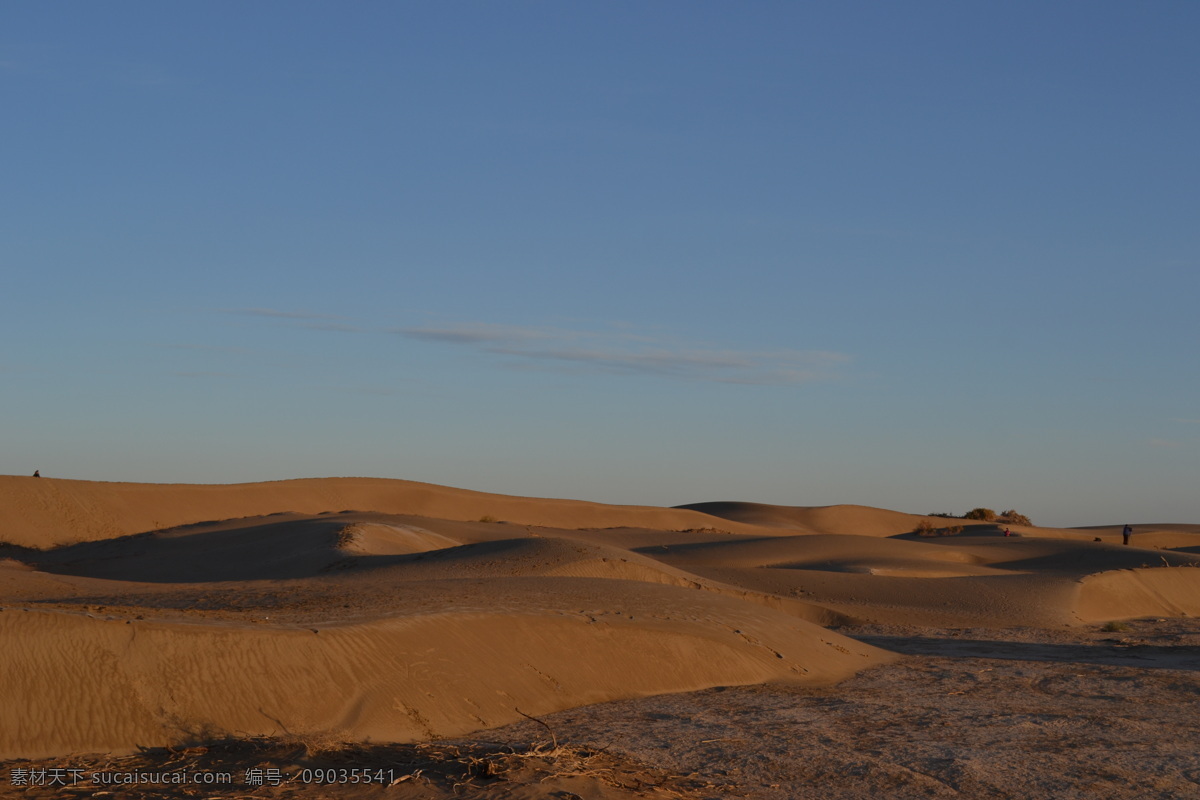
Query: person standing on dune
1126, 532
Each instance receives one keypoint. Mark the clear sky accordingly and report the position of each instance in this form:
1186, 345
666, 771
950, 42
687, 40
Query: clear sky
925, 256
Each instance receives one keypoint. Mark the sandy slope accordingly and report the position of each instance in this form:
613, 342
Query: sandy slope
955, 580
169, 613
89, 683
863, 520
42, 512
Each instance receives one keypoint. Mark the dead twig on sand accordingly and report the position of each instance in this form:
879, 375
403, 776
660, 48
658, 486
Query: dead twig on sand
553, 738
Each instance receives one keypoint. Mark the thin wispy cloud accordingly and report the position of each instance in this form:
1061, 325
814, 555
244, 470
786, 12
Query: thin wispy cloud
274, 313
207, 348
623, 352
303, 319
483, 334
336, 327
619, 349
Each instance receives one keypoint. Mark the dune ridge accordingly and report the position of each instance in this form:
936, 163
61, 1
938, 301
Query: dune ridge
43, 512
864, 520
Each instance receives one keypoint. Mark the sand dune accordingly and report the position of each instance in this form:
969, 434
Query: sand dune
141, 614
862, 520
84, 683
957, 580
1134, 593
42, 512
382, 539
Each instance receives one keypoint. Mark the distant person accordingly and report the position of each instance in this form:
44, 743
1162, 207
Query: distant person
1006, 532
1126, 532
37, 473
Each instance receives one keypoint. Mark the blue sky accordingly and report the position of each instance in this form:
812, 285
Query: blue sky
924, 256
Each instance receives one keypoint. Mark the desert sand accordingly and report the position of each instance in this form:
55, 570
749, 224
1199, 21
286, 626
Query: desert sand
524, 647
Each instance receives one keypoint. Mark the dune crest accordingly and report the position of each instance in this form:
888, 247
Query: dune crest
862, 520
44, 512
381, 539
1134, 593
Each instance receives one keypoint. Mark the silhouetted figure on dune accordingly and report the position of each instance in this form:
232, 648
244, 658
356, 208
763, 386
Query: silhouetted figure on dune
37, 473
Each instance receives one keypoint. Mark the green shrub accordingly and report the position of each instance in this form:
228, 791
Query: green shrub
985, 514
1114, 626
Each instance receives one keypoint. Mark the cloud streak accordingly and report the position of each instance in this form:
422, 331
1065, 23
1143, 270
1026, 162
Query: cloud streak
304, 319
480, 334
207, 348
277, 314
619, 352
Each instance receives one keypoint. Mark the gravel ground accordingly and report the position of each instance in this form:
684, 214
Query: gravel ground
980, 714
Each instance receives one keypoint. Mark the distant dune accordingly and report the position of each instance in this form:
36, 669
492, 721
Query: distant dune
140, 614
42, 512
861, 520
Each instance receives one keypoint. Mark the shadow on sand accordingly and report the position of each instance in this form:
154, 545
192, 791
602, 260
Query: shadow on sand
1112, 654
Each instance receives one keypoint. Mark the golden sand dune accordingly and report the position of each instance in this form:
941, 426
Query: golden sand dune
140, 614
954, 580
863, 520
1132, 593
302, 617
1158, 536
40, 512
382, 539
814, 551
96, 683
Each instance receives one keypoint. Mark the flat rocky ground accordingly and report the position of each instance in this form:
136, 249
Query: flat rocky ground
971, 713
978, 713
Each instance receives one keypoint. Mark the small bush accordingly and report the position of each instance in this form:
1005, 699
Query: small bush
488, 518
1012, 517
1114, 626
985, 514
942, 514
927, 529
